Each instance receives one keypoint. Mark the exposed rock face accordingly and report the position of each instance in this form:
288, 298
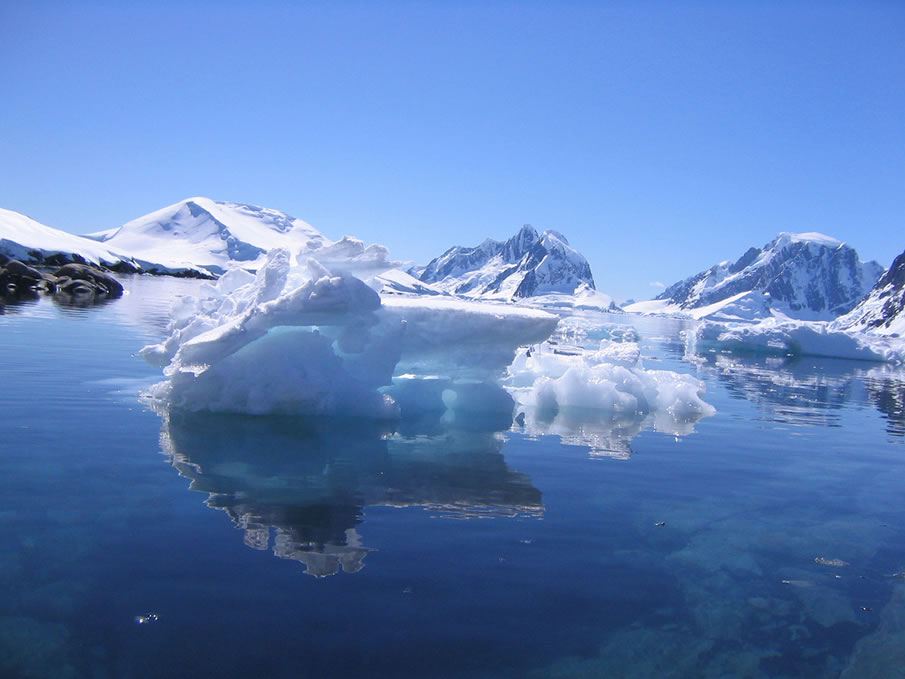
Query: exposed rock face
72, 281
883, 310
802, 274
81, 279
526, 265
18, 279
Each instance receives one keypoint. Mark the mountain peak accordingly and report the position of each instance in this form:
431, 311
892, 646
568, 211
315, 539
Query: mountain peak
805, 275
525, 265
210, 234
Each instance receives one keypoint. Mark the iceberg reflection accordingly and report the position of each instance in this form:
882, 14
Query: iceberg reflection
299, 486
607, 435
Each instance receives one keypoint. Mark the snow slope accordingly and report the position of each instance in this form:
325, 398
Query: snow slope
200, 232
30, 241
804, 276
525, 266
883, 310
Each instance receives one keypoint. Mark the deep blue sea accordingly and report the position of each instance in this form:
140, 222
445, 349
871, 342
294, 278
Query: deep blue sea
765, 541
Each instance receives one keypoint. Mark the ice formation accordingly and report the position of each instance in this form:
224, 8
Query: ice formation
777, 337
610, 379
300, 338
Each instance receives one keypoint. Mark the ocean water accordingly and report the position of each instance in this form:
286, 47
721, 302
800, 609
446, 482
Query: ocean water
765, 541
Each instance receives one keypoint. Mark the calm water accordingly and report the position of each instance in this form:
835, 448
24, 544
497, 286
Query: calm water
292, 548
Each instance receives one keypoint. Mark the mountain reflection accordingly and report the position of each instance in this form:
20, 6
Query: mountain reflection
886, 391
299, 486
812, 391
805, 391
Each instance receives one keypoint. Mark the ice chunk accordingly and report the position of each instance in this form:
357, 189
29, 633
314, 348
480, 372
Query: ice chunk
307, 339
777, 337
610, 378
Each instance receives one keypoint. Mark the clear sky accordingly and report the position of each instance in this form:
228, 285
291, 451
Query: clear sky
659, 137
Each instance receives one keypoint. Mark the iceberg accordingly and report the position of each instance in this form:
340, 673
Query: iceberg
303, 338
777, 337
297, 338
611, 378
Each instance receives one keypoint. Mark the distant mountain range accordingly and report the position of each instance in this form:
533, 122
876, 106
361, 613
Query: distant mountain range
202, 237
527, 265
805, 276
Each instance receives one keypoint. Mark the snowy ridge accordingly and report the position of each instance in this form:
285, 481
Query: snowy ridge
29, 241
805, 276
200, 232
883, 310
525, 266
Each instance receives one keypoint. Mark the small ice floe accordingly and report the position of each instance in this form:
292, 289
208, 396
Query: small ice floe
867, 609
900, 575
838, 563
146, 619
799, 583
660, 523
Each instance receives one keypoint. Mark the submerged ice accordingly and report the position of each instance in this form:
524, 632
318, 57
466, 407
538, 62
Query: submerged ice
299, 337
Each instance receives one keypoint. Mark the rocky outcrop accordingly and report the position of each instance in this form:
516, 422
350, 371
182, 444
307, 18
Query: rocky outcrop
883, 310
72, 281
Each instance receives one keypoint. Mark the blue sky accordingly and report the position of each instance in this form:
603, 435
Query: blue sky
660, 138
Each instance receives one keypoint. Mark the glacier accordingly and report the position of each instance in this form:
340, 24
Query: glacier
299, 337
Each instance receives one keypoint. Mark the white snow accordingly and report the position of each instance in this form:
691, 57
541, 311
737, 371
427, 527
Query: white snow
611, 378
812, 237
20, 234
773, 336
200, 232
297, 338
807, 276
584, 297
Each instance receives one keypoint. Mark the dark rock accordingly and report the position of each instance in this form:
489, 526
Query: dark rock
80, 279
17, 278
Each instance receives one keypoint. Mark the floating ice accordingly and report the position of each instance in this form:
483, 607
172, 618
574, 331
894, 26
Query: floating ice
777, 337
610, 379
302, 339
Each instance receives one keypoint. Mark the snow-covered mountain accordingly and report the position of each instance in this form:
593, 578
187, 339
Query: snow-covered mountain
525, 266
31, 242
883, 310
799, 275
200, 232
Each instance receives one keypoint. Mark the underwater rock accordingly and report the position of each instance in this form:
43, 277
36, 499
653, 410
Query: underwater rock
38, 650
882, 653
638, 652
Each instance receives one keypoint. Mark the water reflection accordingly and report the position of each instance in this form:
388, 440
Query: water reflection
606, 435
299, 486
886, 391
